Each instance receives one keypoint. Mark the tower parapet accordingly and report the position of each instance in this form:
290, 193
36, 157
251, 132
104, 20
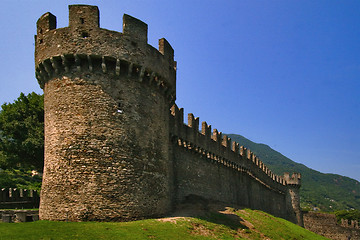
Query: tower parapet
294, 179
84, 44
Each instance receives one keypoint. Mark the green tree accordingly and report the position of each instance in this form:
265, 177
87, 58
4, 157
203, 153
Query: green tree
22, 132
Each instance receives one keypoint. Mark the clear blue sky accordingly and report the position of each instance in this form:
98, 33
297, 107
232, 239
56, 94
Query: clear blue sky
284, 73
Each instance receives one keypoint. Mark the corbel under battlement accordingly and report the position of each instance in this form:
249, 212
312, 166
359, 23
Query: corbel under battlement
63, 64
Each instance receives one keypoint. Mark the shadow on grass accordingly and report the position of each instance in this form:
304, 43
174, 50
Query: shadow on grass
214, 212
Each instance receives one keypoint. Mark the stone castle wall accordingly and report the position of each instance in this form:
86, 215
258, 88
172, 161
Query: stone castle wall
18, 198
211, 165
325, 224
113, 148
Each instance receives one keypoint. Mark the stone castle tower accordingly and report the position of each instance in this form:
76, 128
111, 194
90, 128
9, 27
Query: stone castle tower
113, 148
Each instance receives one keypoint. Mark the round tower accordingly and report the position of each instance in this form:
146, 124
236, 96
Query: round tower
107, 97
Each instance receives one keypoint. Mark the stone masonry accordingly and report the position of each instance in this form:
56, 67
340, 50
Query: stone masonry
116, 146
325, 224
18, 198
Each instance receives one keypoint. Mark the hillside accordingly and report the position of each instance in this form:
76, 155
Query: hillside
214, 222
326, 191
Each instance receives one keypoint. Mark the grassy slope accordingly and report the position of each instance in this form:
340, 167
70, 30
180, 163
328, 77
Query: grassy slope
231, 224
318, 189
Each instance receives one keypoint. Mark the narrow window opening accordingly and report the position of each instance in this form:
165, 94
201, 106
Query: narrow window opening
82, 20
119, 110
40, 41
85, 35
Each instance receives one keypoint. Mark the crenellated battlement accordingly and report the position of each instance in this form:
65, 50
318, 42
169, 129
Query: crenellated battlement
16, 198
294, 179
218, 147
349, 223
83, 43
84, 17
134, 28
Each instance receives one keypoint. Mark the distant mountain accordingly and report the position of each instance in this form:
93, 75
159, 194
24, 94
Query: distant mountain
327, 192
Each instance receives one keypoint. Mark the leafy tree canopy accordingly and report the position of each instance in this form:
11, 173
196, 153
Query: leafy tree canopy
22, 132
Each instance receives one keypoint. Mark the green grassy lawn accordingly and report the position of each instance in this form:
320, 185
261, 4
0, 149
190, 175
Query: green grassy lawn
275, 228
144, 229
239, 224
